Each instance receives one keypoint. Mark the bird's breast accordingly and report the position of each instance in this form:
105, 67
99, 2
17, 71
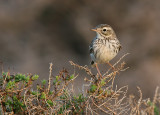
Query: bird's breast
104, 50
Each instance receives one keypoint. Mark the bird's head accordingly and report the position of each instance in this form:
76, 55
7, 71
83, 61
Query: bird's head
104, 30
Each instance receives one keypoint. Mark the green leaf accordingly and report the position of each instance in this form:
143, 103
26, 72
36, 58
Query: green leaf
15, 98
58, 83
8, 102
103, 82
10, 85
57, 78
43, 95
156, 110
71, 77
35, 77
43, 82
54, 82
50, 93
34, 92
93, 88
27, 79
50, 102
4, 73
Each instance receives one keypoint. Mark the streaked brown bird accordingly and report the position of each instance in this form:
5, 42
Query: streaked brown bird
104, 47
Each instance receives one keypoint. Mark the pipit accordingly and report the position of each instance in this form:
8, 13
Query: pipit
104, 47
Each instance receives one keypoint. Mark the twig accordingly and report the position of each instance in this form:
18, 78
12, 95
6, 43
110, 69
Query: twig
139, 101
116, 63
88, 71
155, 96
155, 99
28, 111
99, 107
50, 75
114, 95
60, 92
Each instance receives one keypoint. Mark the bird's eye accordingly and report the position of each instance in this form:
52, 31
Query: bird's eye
104, 30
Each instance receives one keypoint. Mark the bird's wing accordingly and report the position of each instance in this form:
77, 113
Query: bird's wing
90, 49
91, 46
120, 47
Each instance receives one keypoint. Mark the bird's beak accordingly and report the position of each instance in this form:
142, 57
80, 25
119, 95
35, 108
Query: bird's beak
94, 30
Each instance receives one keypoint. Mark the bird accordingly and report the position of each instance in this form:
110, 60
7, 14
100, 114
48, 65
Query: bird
104, 47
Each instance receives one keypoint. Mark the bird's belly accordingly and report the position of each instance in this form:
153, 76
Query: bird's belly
105, 54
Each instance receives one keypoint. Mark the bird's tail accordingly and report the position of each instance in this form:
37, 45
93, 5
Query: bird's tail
93, 64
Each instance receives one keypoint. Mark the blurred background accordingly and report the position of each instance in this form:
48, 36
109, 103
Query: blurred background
34, 33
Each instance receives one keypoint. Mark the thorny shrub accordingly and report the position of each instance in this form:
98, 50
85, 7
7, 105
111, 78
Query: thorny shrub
56, 95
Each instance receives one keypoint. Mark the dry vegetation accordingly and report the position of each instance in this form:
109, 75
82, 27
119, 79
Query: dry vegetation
57, 96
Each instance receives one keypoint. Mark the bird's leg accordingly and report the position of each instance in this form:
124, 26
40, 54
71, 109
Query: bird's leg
98, 70
113, 68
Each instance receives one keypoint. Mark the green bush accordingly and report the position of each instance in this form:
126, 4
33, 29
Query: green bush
56, 96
